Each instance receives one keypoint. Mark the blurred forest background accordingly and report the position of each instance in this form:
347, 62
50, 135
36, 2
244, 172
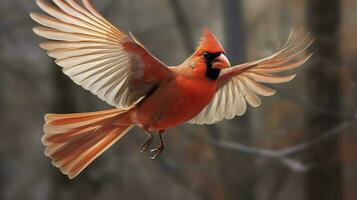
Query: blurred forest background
300, 144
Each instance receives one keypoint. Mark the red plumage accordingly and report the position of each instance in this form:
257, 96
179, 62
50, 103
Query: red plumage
118, 69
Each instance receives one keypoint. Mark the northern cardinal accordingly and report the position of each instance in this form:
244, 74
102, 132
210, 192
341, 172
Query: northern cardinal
119, 69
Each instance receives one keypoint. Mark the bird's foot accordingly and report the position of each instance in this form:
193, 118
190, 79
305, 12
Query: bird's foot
146, 143
157, 151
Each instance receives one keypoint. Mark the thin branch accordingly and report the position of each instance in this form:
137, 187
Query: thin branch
309, 105
283, 154
274, 154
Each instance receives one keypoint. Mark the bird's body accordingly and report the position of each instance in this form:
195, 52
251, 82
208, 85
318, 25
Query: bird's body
175, 101
118, 69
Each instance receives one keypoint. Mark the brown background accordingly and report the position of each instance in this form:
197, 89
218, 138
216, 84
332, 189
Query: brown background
300, 144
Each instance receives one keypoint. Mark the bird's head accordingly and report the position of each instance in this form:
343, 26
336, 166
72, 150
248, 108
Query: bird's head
209, 56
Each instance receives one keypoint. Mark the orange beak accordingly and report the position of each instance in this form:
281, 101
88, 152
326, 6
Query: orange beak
221, 62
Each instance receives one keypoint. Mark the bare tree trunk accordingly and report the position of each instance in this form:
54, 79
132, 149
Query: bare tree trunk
323, 89
183, 25
64, 98
63, 103
235, 30
3, 126
236, 169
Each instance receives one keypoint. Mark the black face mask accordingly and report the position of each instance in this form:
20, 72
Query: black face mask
211, 72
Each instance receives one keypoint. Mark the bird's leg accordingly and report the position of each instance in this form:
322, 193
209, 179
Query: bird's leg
147, 142
157, 151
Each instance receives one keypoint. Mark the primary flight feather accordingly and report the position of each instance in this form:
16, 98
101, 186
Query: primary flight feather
117, 68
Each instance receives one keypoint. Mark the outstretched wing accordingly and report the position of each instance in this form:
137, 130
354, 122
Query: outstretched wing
242, 83
96, 55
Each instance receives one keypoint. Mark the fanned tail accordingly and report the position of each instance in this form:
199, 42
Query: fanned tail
73, 141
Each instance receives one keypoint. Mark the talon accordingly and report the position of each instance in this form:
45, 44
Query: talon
146, 143
158, 150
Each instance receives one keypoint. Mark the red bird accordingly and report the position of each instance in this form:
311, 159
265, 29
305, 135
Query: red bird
118, 69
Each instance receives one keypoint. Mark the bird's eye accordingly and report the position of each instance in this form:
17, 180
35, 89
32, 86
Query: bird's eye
206, 55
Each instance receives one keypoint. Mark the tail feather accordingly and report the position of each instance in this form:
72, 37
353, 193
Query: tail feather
76, 117
97, 149
73, 141
60, 123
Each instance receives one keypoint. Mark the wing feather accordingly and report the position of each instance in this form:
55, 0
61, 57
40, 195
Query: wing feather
95, 54
242, 84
